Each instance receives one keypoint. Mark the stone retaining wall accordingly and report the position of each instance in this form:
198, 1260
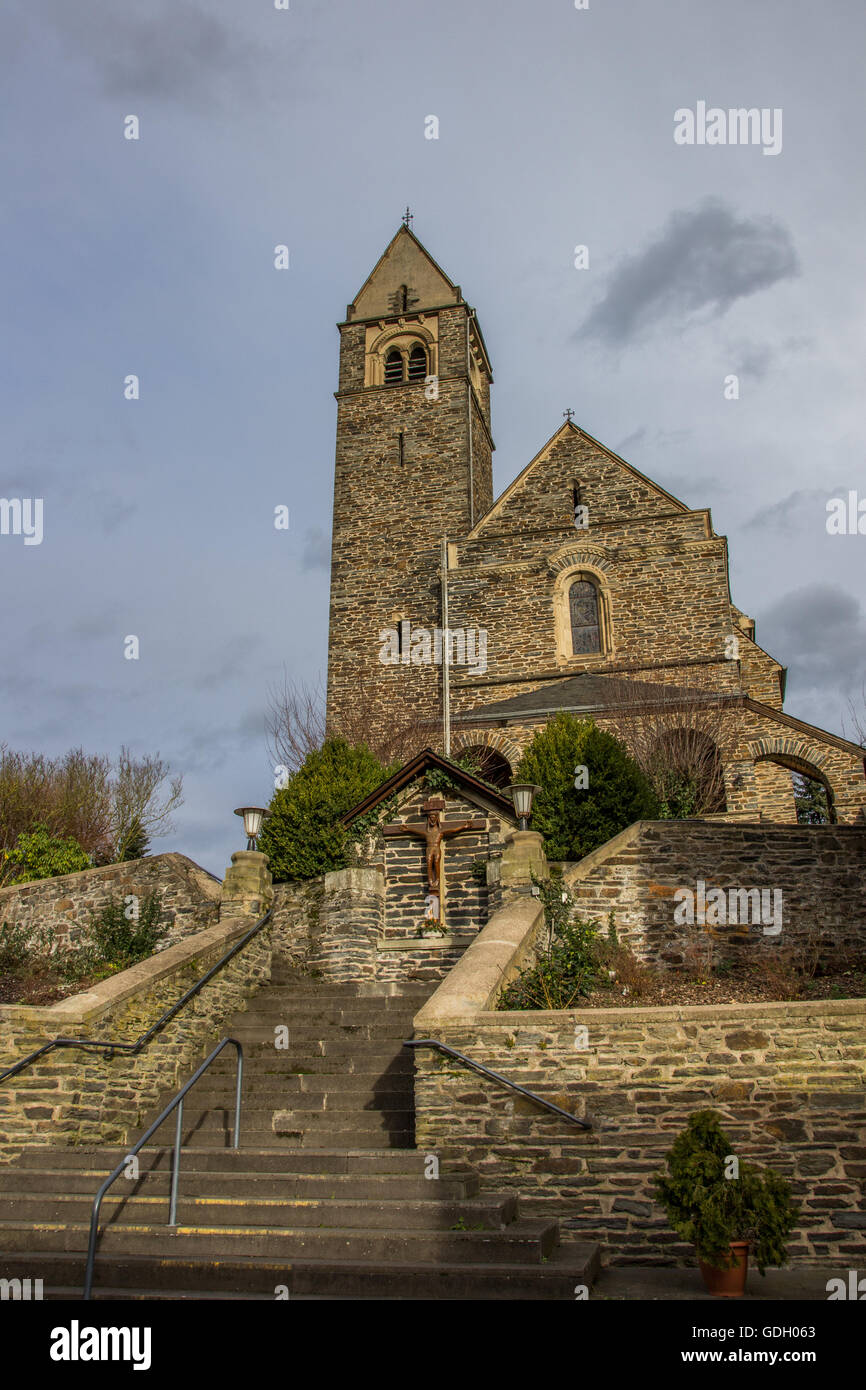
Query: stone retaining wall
74, 1096
820, 871
190, 897
787, 1080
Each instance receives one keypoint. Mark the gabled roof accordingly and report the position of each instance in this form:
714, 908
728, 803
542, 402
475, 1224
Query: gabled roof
543, 453
403, 257
585, 693
473, 789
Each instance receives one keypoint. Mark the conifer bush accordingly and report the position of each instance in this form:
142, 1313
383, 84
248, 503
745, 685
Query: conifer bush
303, 836
710, 1210
575, 820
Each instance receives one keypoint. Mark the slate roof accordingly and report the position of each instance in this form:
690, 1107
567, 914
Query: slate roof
474, 789
583, 694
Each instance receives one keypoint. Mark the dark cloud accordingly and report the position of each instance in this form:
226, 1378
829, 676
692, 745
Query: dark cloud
702, 261
317, 550
167, 48
820, 633
237, 656
753, 360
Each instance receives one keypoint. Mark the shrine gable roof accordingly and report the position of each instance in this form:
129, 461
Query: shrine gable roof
474, 790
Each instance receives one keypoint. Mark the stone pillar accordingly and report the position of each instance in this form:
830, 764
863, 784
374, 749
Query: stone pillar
248, 888
522, 856
351, 920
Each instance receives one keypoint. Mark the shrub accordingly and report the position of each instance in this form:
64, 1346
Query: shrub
39, 854
118, 940
14, 948
575, 821
303, 836
565, 969
710, 1210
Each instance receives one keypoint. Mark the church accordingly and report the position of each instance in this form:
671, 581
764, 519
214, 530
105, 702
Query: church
585, 587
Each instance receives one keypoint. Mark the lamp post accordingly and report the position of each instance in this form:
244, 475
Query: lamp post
523, 794
253, 817
247, 888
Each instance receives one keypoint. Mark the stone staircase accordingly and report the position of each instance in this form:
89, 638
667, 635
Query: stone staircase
325, 1198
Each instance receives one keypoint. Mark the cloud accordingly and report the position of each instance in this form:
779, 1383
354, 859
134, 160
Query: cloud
805, 506
820, 632
317, 550
168, 48
702, 261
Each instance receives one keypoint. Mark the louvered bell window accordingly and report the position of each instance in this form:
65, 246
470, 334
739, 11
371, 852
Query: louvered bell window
417, 363
583, 611
393, 367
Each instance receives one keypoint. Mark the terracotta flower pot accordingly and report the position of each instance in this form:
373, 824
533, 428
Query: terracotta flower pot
728, 1283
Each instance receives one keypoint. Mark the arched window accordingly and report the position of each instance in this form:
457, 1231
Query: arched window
417, 363
393, 367
583, 615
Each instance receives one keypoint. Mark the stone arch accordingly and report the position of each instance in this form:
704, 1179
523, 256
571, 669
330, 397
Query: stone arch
403, 339
504, 752
582, 555
573, 568
795, 755
689, 765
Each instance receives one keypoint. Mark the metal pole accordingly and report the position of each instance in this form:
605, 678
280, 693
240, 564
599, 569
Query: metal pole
446, 682
237, 1128
175, 1168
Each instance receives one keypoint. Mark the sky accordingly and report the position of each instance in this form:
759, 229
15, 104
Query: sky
305, 127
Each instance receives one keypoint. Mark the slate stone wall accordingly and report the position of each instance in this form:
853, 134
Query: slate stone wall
820, 871
62, 905
786, 1079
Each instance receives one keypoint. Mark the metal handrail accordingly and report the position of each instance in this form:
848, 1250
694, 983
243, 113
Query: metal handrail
495, 1076
133, 1048
175, 1104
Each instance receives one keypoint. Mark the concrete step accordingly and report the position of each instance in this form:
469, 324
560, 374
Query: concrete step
523, 1242
136, 1278
221, 1120
379, 1030
212, 1182
143, 1209
354, 1159
282, 1097
277, 1080
295, 1136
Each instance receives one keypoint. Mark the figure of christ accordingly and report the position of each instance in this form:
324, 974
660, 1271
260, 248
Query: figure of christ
434, 833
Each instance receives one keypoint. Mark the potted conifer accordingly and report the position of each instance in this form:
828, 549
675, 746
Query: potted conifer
726, 1209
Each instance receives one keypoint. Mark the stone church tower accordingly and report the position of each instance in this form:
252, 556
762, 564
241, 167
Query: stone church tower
585, 587
413, 465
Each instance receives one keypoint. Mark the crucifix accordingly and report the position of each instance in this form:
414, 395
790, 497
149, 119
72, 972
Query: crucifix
568, 415
408, 218
434, 834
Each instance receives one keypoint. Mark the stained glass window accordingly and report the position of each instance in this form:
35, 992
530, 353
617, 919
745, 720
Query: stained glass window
583, 612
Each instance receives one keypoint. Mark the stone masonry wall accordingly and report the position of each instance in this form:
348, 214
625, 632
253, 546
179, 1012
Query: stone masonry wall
75, 1097
786, 1079
819, 870
62, 905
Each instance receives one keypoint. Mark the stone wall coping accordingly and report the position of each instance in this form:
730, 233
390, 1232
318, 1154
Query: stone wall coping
475, 981
788, 1010
187, 868
94, 1003
418, 943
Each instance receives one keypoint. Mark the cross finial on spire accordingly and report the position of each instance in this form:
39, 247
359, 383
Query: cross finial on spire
408, 217
567, 415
